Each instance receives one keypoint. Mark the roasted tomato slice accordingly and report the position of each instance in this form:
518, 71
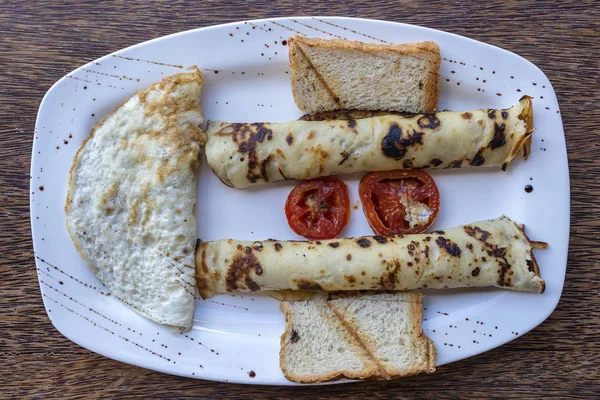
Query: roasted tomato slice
319, 208
399, 202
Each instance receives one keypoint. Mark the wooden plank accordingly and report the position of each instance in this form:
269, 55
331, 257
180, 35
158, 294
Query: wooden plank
41, 42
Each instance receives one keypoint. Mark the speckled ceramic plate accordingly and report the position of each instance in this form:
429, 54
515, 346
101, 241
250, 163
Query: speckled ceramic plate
247, 79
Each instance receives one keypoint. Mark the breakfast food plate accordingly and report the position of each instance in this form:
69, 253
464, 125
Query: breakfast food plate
246, 77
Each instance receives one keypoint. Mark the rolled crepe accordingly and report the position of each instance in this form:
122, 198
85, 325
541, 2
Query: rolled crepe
244, 154
482, 254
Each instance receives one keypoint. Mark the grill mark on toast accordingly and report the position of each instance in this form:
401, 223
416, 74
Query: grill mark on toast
383, 373
319, 76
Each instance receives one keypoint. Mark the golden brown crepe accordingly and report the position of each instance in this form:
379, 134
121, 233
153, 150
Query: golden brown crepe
243, 154
482, 254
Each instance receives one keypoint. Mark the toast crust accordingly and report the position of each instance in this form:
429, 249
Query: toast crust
417, 48
416, 312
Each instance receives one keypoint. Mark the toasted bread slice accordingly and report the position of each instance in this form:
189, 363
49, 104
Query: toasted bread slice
314, 347
338, 74
372, 336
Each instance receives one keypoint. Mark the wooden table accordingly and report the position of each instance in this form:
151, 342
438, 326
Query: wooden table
40, 42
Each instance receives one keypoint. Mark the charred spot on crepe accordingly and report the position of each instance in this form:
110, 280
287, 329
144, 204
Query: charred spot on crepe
239, 271
503, 279
466, 115
428, 121
247, 136
263, 167
452, 248
364, 242
499, 138
304, 284
394, 145
499, 253
478, 160
390, 278
531, 266
380, 239
436, 162
334, 245
477, 233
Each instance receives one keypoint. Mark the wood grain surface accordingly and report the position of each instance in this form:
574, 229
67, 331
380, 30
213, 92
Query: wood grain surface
42, 41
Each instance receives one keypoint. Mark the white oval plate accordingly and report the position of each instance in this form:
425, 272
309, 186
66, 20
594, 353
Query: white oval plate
247, 79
